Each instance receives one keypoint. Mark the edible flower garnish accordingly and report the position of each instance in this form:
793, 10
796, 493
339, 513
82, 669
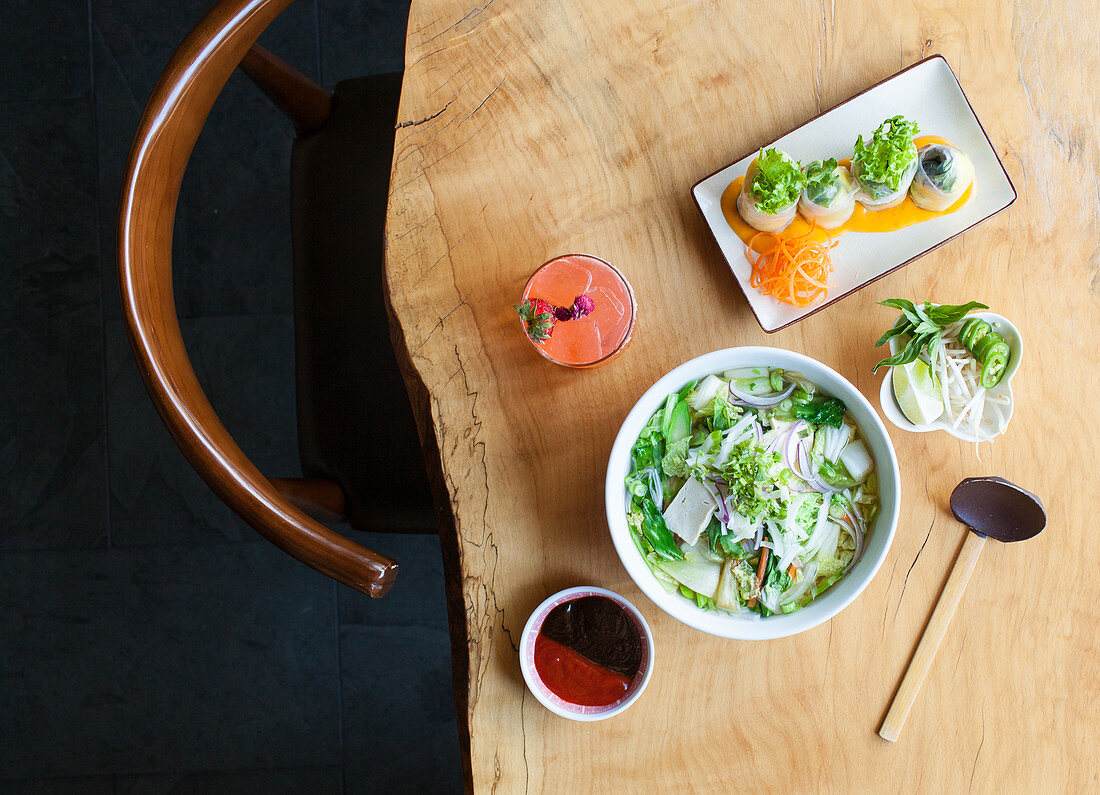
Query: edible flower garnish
777, 181
582, 305
539, 316
886, 157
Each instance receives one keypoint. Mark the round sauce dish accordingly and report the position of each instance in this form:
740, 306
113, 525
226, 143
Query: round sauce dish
586, 653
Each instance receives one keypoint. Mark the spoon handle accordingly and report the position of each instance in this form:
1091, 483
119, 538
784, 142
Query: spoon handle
933, 636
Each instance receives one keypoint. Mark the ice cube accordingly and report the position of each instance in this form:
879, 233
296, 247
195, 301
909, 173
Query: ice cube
572, 277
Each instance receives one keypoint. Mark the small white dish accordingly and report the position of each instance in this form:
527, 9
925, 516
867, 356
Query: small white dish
926, 92
749, 626
889, 404
549, 698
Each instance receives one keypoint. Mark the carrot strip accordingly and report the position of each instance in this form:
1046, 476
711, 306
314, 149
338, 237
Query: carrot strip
794, 270
759, 574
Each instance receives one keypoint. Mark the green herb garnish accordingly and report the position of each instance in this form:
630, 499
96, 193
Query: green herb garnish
924, 324
722, 417
829, 411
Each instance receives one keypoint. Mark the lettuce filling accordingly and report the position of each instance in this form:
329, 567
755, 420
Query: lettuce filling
777, 182
885, 159
822, 182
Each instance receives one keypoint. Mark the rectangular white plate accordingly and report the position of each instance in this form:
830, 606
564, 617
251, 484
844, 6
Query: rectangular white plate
926, 92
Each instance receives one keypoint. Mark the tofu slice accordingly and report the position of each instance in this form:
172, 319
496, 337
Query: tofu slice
689, 512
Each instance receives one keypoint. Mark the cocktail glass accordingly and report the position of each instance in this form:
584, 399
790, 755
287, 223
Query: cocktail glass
597, 337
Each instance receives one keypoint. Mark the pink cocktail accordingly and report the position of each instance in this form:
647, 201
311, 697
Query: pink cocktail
592, 306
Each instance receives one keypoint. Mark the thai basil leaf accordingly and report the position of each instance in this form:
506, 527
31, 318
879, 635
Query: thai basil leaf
900, 327
908, 354
924, 324
922, 312
948, 313
898, 303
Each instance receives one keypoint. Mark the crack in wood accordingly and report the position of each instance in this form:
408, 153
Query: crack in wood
427, 55
470, 13
438, 326
974, 767
475, 110
523, 734
484, 611
403, 124
911, 565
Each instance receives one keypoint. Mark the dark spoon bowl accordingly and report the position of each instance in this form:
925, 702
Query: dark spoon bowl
997, 508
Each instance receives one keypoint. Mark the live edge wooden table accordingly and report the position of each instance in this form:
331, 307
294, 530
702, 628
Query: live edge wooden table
534, 128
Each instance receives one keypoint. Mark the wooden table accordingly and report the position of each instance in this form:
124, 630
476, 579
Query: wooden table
529, 129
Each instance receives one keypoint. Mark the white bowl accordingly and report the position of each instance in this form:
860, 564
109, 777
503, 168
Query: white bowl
551, 700
1002, 326
753, 627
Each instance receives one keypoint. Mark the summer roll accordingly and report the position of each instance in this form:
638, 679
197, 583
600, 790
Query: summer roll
828, 194
884, 166
769, 195
944, 173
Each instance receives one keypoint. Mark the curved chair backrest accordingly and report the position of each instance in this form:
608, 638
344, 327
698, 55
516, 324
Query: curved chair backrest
162, 146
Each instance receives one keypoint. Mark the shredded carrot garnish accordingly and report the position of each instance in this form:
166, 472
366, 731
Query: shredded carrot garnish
794, 270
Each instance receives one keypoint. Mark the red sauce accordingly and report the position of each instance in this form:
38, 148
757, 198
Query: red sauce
574, 678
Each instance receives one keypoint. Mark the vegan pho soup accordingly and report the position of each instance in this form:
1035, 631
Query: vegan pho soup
751, 491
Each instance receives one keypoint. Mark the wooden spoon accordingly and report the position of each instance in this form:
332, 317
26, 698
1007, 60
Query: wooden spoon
991, 507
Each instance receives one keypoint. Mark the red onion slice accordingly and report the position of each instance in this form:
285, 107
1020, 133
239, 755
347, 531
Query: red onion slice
712, 489
812, 477
804, 463
742, 398
795, 451
856, 527
720, 484
790, 448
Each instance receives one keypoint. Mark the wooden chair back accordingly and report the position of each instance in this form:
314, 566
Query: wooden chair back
169, 127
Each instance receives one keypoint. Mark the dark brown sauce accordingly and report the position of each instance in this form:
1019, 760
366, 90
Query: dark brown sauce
598, 629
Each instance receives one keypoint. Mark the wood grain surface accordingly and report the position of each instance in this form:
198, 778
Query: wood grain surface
529, 129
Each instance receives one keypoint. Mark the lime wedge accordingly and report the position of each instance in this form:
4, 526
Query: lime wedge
916, 393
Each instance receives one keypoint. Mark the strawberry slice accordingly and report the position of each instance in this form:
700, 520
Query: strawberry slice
538, 319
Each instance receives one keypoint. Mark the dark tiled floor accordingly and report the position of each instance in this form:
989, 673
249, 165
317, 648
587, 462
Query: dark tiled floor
245, 363
149, 641
52, 63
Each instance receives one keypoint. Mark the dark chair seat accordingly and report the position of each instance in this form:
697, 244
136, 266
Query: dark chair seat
355, 423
